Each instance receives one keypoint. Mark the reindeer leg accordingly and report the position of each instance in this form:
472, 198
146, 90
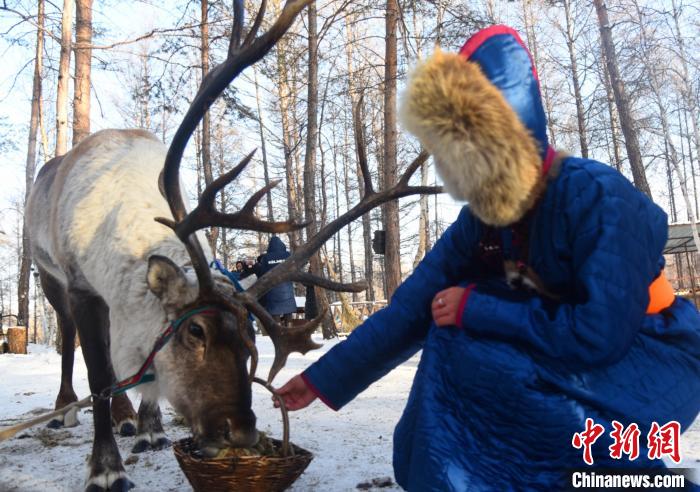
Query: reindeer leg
66, 394
91, 316
123, 415
56, 295
150, 431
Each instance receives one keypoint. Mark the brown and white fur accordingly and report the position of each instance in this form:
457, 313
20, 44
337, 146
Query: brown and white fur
119, 277
483, 152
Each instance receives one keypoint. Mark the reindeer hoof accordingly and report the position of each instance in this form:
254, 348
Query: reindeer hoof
162, 443
141, 446
121, 484
55, 424
127, 429
147, 441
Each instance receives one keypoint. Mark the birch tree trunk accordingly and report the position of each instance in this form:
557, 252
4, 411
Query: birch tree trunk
534, 50
612, 114
223, 202
337, 244
328, 326
83, 66
424, 213
45, 152
571, 47
62, 91
669, 182
287, 102
627, 122
213, 232
29, 171
359, 141
423, 220
348, 204
390, 211
48, 322
263, 147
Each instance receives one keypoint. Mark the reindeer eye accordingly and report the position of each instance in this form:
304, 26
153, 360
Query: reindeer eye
196, 330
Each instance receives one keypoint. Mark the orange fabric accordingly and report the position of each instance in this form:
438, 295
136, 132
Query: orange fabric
661, 294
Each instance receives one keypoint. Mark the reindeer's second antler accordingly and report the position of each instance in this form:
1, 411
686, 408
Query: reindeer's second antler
286, 339
290, 268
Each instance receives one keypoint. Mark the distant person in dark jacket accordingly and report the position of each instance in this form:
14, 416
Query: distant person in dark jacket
246, 268
279, 301
256, 267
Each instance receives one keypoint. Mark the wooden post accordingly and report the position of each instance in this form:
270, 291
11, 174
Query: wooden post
691, 273
17, 340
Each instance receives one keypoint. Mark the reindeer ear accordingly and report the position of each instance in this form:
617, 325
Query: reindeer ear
167, 281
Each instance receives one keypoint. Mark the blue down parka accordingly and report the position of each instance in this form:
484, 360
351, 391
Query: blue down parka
497, 398
280, 299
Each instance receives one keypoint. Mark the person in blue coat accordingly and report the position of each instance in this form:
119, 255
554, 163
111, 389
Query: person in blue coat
544, 305
279, 301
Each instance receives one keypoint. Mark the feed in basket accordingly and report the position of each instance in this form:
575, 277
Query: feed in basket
271, 465
264, 447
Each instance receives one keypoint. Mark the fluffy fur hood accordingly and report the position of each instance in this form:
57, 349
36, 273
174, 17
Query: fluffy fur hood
483, 151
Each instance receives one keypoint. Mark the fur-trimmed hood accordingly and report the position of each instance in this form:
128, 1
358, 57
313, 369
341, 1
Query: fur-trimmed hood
479, 113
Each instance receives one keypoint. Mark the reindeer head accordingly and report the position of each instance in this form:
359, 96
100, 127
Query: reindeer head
205, 360
211, 386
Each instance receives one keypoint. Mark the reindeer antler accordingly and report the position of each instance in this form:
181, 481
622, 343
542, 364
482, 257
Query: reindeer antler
286, 339
242, 54
206, 215
289, 269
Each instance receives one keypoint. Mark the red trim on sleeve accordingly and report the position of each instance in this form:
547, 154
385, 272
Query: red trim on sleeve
484, 35
316, 392
548, 159
463, 305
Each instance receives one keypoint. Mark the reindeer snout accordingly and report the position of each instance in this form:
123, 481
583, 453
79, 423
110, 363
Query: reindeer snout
227, 431
242, 437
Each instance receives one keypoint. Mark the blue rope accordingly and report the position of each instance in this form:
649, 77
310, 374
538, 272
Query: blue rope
233, 277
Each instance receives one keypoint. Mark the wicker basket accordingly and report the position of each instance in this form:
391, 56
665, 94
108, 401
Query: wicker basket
245, 473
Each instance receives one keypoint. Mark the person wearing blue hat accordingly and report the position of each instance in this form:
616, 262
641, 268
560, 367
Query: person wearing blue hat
543, 313
278, 301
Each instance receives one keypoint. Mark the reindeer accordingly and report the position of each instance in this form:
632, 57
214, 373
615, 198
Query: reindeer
122, 278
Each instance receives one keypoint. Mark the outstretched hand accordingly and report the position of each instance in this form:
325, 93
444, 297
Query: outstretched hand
445, 309
296, 394
445, 306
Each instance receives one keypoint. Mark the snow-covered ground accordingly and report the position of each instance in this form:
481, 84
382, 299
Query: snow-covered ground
350, 446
